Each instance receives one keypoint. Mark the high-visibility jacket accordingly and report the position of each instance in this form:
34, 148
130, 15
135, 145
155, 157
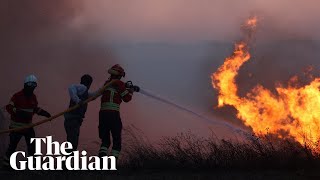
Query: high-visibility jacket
114, 95
22, 103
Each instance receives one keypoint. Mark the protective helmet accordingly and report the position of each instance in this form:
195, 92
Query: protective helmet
31, 80
117, 70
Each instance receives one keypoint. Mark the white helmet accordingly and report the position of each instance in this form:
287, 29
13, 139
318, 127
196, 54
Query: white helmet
31, 79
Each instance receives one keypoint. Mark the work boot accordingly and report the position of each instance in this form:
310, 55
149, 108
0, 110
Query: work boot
103, 151
115, 153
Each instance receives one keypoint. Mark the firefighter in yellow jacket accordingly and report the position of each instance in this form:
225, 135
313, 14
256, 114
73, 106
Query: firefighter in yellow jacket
109, 115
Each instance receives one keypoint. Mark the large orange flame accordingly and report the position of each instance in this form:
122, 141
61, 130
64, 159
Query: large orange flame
292, 112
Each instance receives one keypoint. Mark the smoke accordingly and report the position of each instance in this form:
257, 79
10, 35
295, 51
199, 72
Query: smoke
285, 45
3, 138
42, 38
193, 20
60, 40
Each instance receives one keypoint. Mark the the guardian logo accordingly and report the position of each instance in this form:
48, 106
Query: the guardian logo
60, 159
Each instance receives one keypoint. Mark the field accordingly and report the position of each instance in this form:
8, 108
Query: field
187, 156
189, 152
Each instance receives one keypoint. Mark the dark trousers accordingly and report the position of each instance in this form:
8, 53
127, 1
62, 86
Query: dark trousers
15, 139
72, 126
110, 123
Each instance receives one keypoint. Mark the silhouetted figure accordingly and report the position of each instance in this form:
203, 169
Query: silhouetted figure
109, 116
23, 105
73, 120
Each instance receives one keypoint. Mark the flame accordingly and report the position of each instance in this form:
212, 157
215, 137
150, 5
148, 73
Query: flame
252, 22
292, 112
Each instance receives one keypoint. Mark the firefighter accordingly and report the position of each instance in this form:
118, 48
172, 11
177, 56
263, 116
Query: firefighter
23, 105
109, 115
73, 120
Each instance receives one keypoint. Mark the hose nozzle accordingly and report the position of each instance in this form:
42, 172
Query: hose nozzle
129, 85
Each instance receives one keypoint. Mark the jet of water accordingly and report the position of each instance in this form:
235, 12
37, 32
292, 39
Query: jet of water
211, 121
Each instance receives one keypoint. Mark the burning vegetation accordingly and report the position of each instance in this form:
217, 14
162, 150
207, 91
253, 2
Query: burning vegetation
293, 112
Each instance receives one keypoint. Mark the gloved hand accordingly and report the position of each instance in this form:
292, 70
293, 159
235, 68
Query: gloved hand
129, 84
44, 113
23, 114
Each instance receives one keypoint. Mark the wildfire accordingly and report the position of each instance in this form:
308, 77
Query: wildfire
292, 112
252, 22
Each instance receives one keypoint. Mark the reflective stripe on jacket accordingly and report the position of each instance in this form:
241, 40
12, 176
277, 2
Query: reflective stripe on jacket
114, 95
14, 124
26, 104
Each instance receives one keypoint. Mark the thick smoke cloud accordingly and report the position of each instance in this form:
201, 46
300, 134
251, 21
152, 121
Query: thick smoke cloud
192, 20
39, 38
187, 41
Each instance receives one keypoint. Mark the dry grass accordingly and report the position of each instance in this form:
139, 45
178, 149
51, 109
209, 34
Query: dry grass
187, 156
188, 151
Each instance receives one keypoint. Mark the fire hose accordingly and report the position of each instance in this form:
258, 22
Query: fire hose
130, 85
59, 114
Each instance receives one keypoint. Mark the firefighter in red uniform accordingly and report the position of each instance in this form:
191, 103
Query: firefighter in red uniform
109, 115
22, 107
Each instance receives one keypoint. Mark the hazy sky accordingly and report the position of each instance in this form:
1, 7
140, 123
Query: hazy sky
195, 19
61, 40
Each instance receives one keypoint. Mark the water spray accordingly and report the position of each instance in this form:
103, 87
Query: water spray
147, 93
206, 119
